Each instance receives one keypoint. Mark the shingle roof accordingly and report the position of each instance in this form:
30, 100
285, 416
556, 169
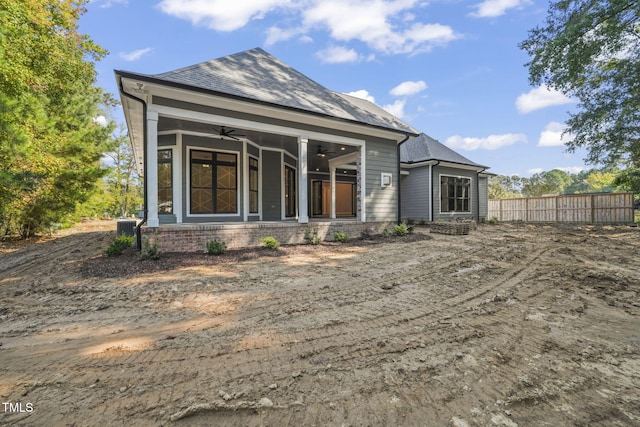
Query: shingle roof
256, 75
424, 148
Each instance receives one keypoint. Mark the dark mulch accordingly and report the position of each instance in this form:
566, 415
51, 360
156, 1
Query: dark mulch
129, 264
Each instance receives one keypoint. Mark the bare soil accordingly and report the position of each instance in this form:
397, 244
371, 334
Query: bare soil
512, 325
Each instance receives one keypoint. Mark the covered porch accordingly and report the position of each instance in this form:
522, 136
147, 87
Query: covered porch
211, 168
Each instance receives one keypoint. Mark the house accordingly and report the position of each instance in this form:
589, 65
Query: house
245, 146
437, 183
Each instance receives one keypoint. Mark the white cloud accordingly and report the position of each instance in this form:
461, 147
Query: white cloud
535, 171
221, 15
397, 108
492, 142
104, 4
363, 94
386, 26
552, 135
135, 55
276, 34
372, 22
541, 97
101, 120
571, 169
494, 8
408, 88
337, 54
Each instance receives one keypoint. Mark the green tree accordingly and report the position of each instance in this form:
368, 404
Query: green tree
50, 142
123, 182
590, 50
555, 181
505, 187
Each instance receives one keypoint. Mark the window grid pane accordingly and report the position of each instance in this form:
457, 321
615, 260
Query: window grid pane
454, 194
213, 182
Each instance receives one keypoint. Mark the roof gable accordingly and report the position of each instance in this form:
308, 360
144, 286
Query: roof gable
256, 75
424, 148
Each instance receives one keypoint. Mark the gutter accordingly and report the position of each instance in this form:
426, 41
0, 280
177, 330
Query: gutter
140, 223
406, 138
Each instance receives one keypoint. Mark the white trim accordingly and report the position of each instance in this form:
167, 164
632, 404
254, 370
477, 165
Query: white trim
245, 181
470, 212
332, 181
442, 163
151, 175
178, 113
177, 186
302, 176
190, 148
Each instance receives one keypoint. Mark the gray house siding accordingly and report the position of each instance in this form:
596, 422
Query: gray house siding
380, 157
381, 202
415, 201
439, 171
271, 186
483, 197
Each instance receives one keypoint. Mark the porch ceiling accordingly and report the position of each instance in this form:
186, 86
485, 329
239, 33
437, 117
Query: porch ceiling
289, 144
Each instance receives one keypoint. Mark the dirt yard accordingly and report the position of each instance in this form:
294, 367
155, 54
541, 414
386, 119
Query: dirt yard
512, 325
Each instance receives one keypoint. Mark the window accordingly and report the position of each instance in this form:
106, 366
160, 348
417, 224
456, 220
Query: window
454, 194
290, 191
165, 182
253, 185
213, 182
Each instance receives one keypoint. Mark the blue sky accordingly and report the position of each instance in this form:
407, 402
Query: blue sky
449, 68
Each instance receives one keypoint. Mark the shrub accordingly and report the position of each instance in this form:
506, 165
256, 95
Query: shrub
401, 229
119, 244
216, 247
386, 232
340, 236
270, 242
492, 221
311, 238
150, 250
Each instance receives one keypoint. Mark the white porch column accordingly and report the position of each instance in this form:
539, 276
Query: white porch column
151, 173
303, 203
332, 174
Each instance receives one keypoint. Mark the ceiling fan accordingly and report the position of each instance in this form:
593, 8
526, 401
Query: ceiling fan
323, 152
228, 133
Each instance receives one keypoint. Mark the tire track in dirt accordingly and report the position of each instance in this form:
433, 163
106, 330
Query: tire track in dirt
322, 341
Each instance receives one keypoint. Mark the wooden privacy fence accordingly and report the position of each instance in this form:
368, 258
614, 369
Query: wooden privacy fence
609, 208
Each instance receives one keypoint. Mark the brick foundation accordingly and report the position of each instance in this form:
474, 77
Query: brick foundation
194, 237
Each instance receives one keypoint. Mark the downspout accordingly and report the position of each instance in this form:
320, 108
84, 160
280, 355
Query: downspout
406, 138
140, 223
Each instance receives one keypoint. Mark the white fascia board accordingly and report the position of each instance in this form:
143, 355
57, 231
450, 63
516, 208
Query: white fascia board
263, 110
441, 163
418, 164
461, 166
